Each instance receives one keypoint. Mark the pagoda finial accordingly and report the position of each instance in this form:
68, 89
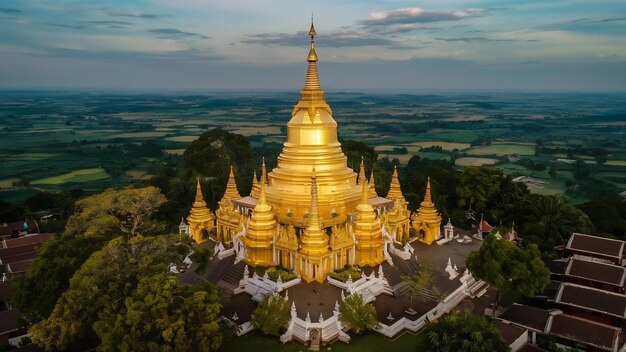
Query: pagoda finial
394, 188
364, 193
372, 184
314, 215
312, 57
262, 200
199, 198
231, 187
362, 171
427, 197
263, 172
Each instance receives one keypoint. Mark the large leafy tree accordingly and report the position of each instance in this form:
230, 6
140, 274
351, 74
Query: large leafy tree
128, 210
125, 295
468, 332
97, 219
360, 316
272, 314
551, 220
509, 267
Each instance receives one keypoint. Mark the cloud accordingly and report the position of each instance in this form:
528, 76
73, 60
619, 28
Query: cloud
173, 33
130, 56
599, 20
401, 28
477, 40
417, 15
148, 16
11, 11
344, 38
108, 24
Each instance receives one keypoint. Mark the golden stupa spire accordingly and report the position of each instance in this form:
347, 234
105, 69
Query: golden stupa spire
254, 193
372, 185
262, 204
427, 197
199, 202
231, 187
312, 94
361, 178
263, 172
395, 192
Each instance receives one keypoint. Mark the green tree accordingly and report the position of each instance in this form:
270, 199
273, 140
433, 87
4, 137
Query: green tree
467, 332
125, 295
478, 186
272, 314
88, 230
551, 220
421, 280
360, 316
128, 210
509, 267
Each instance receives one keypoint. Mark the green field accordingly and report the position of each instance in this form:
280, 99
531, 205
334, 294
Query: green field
84, 175
501, 149
475, 161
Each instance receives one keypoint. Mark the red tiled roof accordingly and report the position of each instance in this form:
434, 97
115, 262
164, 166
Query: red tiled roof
606, 247
13, 254
531, 348
510, 332
485, 227
5, 291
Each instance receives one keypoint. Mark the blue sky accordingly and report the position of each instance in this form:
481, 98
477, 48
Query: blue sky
394, 45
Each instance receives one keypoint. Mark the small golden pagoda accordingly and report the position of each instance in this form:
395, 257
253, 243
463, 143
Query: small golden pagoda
427, 221
367, 232
397, 218
201, 219
260, 233
228, 217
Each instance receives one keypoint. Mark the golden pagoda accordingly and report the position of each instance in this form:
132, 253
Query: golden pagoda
367, 232
228, 217
427, 221
372, 186
397, 218
308, 214
201, 219
260, 233
255, 186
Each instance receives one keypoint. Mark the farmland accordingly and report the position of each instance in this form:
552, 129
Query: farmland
57, 140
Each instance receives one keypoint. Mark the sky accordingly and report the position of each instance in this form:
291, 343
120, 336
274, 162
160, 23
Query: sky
362, 45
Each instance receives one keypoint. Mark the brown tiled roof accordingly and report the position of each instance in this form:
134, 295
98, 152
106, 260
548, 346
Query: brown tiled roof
5, 291
531, 348
19, 267
31, 239
600, 272
592, 299
9, 255
527, 316
558, 266
9, 321
7, 229
585, 331
550, 291
510, 332
596, 245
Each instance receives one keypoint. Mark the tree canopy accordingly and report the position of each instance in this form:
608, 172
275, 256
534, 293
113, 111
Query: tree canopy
128, 210
357, 314
125, 295
509, 267
467, 332
272, 314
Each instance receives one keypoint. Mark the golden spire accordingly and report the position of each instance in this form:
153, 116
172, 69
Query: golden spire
372, 185
263, 172
254, 193
262, 204
231, 187
394, 188
199, 202
312, 94
427, 197
361, 178
364, 194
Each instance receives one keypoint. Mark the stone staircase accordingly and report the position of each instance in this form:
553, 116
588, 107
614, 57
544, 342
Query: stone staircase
230, 277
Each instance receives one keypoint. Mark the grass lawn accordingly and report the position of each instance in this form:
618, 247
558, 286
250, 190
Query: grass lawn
475, 161
257, 342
